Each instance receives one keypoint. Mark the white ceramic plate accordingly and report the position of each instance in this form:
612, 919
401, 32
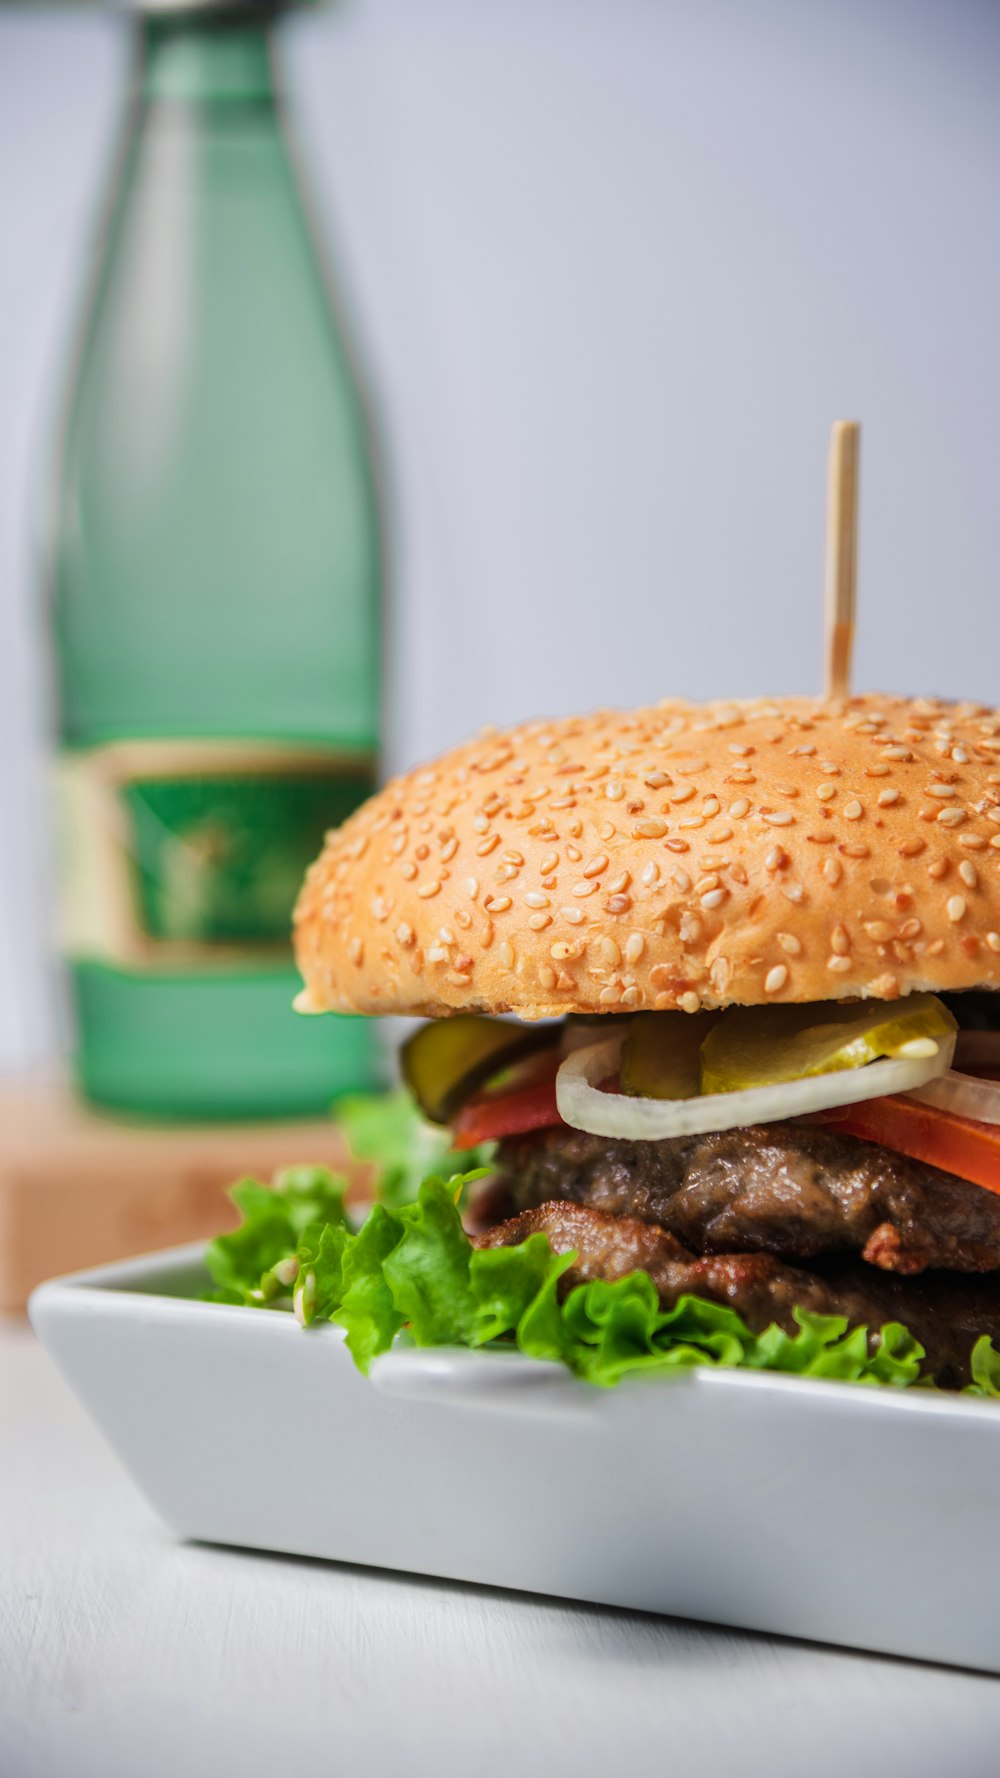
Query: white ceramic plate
838, 1513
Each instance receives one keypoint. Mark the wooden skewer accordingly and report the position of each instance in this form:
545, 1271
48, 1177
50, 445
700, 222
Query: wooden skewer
841, 554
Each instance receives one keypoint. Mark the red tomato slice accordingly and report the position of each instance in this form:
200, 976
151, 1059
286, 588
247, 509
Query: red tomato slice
955, 1144
488, 1116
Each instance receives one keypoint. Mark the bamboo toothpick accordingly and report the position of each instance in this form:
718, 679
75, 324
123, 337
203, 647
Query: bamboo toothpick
841, 554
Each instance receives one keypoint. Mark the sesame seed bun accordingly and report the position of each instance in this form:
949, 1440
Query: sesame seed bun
677, 856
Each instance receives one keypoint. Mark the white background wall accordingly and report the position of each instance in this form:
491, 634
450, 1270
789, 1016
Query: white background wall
618, 265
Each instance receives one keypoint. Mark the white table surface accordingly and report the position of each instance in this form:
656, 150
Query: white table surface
125, 1654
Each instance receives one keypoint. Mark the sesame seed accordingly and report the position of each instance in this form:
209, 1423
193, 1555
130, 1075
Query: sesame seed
635, 947
549, 863
840, 941
941, 790
587, 887
896, 753
651, 873
887, 797
689, 1002
472, 887
740, 808
497, 904
513, 858
681, 793
833, 870
653, 829
910, 848
790, 944
951, 817
596, 865
535, 900
538, 922
854, 810
879, 930
618, 904
574, 854
711, 806
837, 964
679, 877
614, 791
714, 898
775, 859
608, 830
480, 823
780, 818
610, 996
426, 890
485, 847
706, 883
404, 935
955, 908
617, 884
775, 979
968, 873
356, 951
993, 940
689, 929
656, 780
547, 976
575, 916
505, 952
792, 891
960, 756
408, 871
436, 954
610, 952
973, 842
937, 867
826, 792
563, 950
876, 771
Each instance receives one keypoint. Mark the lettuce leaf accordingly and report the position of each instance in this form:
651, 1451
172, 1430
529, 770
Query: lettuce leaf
413, 1267
274, 1219
390, 1130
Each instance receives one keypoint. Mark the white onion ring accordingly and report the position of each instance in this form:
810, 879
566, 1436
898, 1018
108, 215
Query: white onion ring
584, 1106
965, 1095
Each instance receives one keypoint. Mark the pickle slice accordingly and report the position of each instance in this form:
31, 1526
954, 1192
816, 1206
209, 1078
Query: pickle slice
661, 1056
447, 1059
758, 1046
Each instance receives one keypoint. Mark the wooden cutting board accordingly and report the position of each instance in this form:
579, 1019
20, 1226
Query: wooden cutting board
80, 1187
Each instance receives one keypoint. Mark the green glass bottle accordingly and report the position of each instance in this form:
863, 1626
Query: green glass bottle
216, 596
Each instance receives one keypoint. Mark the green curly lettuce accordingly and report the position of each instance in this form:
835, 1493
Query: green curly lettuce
390, 1130
412, 1268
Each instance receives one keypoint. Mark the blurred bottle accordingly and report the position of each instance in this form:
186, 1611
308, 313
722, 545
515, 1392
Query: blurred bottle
217, 580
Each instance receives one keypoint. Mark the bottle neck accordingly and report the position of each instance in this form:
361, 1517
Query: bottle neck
207, 58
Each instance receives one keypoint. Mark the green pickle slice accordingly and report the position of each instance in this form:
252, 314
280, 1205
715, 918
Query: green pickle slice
754, 1046
446, 1060
661, 1056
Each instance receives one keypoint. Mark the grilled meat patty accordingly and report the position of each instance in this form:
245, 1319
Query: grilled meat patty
945, 1313
798, 1191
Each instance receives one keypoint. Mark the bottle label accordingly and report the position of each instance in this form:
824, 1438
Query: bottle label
182, 854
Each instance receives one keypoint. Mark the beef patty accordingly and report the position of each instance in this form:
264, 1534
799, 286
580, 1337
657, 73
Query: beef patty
798, 1191
945, 1313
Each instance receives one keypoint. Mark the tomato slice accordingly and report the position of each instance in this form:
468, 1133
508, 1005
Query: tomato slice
488, 1116
955, 1144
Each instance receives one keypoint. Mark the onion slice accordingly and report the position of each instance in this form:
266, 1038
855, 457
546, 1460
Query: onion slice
966, 1095
584, 1105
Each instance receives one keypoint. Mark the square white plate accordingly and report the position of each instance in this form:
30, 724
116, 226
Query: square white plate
843, 1514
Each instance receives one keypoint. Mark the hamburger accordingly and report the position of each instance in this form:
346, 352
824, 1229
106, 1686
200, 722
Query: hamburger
717, 982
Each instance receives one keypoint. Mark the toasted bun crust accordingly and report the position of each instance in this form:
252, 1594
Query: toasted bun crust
678, 856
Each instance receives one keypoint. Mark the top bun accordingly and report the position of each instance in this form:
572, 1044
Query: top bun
682, 855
